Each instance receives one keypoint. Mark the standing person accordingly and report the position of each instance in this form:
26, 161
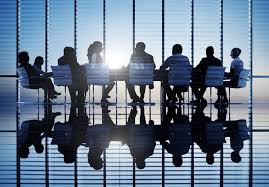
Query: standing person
139, 56
95, 57
79, 82
199, 73
176, 58
34, 77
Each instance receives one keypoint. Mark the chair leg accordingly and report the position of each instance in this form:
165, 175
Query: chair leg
229, 95
210, 95
37, 95
149, 96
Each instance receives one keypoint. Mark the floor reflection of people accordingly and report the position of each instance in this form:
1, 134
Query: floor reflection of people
238, 133
69, 136
98, 138
140, 138
30, 132
207, 134
177, 133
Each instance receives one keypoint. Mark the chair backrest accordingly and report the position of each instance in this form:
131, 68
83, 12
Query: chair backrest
214, 76
97, 73
141, 73
243, 78
179, 75
23, 77
62, 75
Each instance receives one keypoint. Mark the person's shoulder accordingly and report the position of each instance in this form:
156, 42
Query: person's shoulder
148, 55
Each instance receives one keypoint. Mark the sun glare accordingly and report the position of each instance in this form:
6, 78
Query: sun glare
116, 60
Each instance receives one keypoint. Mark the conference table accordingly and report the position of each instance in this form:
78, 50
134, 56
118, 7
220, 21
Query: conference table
122, 75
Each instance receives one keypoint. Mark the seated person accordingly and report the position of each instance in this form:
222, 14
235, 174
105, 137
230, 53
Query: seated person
39, 61
199, 73
139, 56
237, 66
35, 79
94, 57
79, 82
176, 58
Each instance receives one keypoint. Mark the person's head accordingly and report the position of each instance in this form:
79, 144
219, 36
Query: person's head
95, 161
23, 57
177, 48
39, 148
140, 163
177, 160
210, 158
23, 152
209, 51
97, 47
39, 60
140, 47
69, 51
70, 156
235, 157
235, 52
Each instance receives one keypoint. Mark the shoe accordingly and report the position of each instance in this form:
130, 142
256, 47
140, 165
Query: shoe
204, 101
104, 100
56, 93
195, 102
217, 102
141, 100
54, 114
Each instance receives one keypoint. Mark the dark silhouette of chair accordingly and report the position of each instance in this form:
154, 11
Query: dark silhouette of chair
214, 77
25, 83
241, 82
62, 75
180, 75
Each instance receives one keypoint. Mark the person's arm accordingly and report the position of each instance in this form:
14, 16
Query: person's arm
166, 64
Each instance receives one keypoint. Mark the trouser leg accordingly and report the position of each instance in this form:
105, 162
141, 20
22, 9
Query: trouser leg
142, 92
131, 91
108, 89
196, 93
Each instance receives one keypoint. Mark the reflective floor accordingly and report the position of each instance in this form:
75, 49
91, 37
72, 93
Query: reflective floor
128, 145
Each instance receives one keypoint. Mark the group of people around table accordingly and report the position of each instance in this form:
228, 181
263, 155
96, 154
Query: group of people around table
79, 86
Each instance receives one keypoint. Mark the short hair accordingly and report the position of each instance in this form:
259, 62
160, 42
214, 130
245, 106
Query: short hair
236, 51
140, 164
140, 45
177, 160
23, 56
235, 157
69, 50
209, 51
210, 158
38, 59
97, 44
177, 48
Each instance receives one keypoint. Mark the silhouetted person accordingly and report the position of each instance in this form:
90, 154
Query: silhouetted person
139, 56
98, 139
39, 61
237, 66
199, 73
79, 82
35, 79
69, 136
140, 138
95, 57
30, 132
176, 58
177, 133
238, 133
207, 135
